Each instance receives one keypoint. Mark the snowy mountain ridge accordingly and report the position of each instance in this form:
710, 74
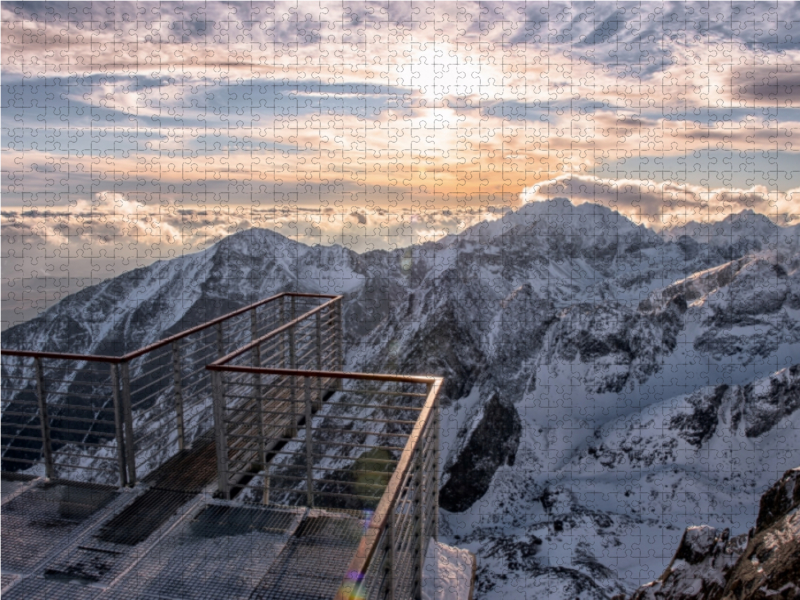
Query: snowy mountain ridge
627, 373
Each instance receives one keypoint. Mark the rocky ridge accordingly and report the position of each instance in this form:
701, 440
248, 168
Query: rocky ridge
764, 563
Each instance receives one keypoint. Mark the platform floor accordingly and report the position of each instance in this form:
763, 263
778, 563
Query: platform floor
167, 539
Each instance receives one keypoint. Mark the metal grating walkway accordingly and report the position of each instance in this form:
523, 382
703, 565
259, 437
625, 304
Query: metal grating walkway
48, 516
218, 552
168, 541
174, 484
314, 560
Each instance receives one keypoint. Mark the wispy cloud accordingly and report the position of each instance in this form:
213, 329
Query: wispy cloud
134, 131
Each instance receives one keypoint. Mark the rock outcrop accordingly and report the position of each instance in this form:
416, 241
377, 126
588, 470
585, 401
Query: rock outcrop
765, 563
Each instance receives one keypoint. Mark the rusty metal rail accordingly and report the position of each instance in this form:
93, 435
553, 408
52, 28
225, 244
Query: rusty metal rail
113, 419
290, 427
336, 440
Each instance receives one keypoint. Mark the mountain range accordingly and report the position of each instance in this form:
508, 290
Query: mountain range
606, 385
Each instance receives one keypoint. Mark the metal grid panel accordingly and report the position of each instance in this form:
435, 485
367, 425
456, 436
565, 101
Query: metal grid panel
314, 561
260, 411
222, 552
325, 448
47, 516
6, 579
60, 412
112, 420
37, 588
100, 557
13, 484
173, 485
290, 446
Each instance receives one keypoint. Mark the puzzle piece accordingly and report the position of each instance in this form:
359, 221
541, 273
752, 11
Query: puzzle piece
583, 216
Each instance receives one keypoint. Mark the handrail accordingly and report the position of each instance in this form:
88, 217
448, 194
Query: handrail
61, 355
216, 366
236, 313
155, 345
276, 331
369, 542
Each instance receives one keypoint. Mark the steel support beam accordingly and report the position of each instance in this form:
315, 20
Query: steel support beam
220, 432
127, 411
44, 420
118, 425
436, 465
420, 501
176, 378
318, 402
309, 445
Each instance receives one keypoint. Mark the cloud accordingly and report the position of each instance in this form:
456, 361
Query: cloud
667, 203
360, 217
117, 227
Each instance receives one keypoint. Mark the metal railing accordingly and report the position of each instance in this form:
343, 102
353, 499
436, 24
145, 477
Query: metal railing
289, 426
335, 440
113, 419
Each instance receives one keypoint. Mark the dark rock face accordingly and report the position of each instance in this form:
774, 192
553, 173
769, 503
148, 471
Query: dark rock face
493, 443
779, 500
446, 347
703, 559
710, 565
700, 425
770, 565
782, 399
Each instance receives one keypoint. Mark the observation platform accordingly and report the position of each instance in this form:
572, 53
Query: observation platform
233, 460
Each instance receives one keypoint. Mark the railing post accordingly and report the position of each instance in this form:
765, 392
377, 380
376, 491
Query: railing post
419, 500
44, 420
283, 336
176, 376
436, 439
339, 358
220, 341
257, 391
390, 535
118, 421
309, 445
293, 365
130, 454
339, 335
319, 339
319, 356
220, 433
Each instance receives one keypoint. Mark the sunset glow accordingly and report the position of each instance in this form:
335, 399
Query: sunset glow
148, 130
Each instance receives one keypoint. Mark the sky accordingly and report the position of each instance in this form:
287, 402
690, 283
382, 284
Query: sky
133, 132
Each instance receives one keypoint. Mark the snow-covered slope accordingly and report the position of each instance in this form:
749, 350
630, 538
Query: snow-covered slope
141, 306
594, 370
744, 231
591, 520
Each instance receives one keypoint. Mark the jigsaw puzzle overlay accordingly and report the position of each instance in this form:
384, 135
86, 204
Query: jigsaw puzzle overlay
584, 216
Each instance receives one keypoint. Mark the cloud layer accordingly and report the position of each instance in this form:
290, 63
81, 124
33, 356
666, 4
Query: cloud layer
137, 131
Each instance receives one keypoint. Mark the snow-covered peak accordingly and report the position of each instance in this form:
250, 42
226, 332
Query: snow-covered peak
594, 224
732, 230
